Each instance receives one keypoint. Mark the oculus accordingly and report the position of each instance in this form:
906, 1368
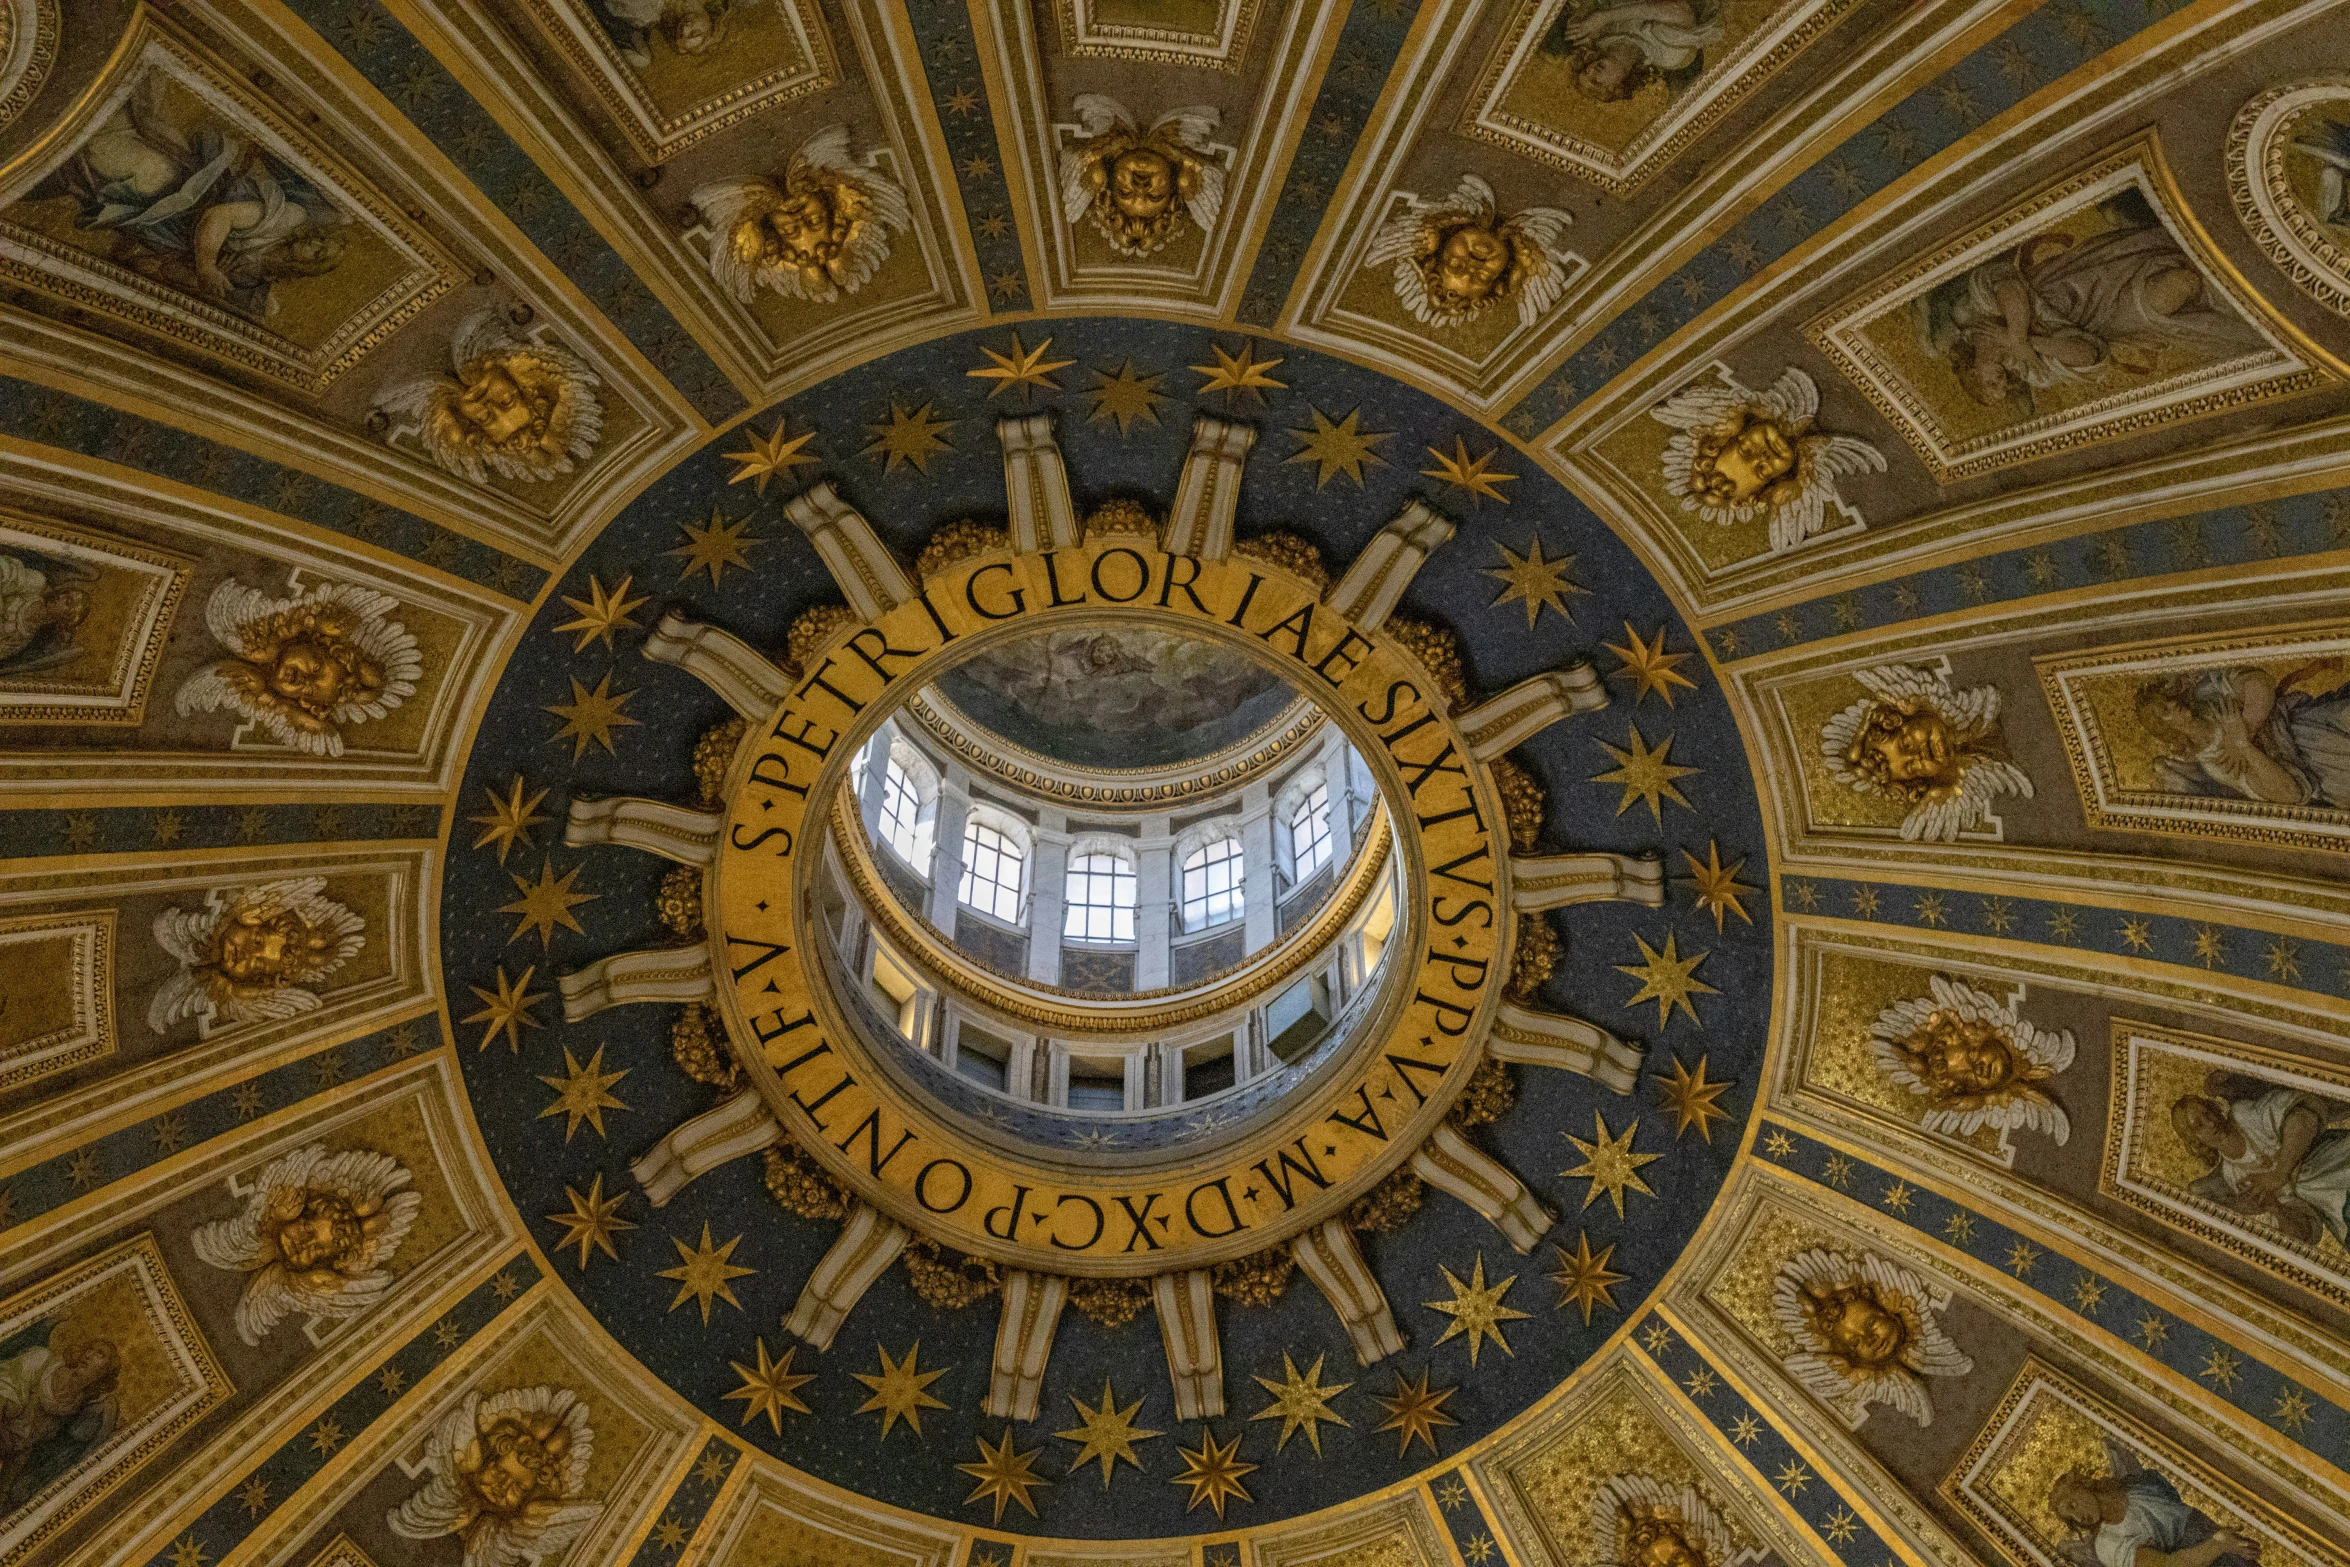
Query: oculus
2289, 172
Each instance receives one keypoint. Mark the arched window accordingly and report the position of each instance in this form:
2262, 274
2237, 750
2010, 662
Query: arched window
1211, 885
1100, 899
993, 865
1309, 833
902, 824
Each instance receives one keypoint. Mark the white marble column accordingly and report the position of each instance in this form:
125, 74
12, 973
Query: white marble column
1048, 892
946, 862
1256, 849
876, 777
1154, 915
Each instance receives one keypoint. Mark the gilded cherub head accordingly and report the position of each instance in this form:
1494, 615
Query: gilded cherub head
1864, 1333
1973, 1060
1456, 258
252, 953
1638, 1520
305, 667
1935, 748
1739, 454
315, 1238
522, 408
508, 1471
822, 232
1137, 187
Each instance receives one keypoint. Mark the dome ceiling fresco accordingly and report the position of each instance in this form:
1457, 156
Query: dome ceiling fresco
1805, 538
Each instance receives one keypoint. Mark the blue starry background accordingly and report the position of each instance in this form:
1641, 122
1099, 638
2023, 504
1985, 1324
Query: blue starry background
652, 756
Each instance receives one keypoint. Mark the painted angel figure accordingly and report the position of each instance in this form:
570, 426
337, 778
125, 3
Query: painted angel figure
1137, 186
1738, 454
1638, 1520
43, 602
305, 667
59, 1401
1935, 748
2278, 1153
315, 1238
2130, 1516
691, 27
2242, 731
1458, 257
519, 407
508, 1471
1973, 1060
821, 233
1621, 47
252, 954
1864, 1333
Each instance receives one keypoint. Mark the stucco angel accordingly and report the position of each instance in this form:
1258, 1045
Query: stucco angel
822, 232
316, 1237
1928, 744
508, 1471
1738, 454
1864, 1333
1640, 1521
516, 406
304, 668
251, 954
1137, 186
1973, 1060
1456, 258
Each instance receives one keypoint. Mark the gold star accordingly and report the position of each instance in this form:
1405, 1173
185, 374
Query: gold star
1897, 1197
508, 1010
1778, 1145
1585, 1279
908, 438
962, 103
1864, 902
2137, 933
509, 821
703, 1273
326, 1436
1843, 1527
2211, 945
1476, 1310
1645, 775
2020, 1258
601, 614
1960, 1227
582, 1095
714, 546
1213, 1472
2220, 1367
1337, 448
1701, 1382
769, 455
1125, 397
1718, 889
391, 1381
1609, 1163
1692, 1099
1649, 666
1300, 1401
1415, 1411
1478, 1550
1745, 1430
1023, 368
898, 1390
254, 1497
546, 903
1541, 583
671, 1534
1668, 979
591, 1221
591, 715
1004, 1476
1235, 376
2089, 1293
713, 1467
2292, 1411
1793, 1478
2152, 1330
1838, 1171
1452, 1494
82, 1169
1108, 1433
505, 1286
1474, 475
447, 1333
188, 1553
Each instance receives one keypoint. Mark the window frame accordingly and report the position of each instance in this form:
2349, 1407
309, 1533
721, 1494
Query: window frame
1013, 844
1234, 892
1078, 913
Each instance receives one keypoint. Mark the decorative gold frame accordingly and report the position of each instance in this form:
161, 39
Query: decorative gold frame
2256, 180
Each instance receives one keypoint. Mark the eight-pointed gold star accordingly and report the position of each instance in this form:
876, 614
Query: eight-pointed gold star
1609, 1164
507, 1010
1338, 448
1125, 397
601, 613
1475, 475
1542, 582
715, 545
1475, 1309
1584, 1277
1300, 1401
1649, 667
1645, 774
1237, 375
769, 455
898, 1390
591, 715
1691, 1099
1024, 368
703, 1273
546, 903
1718, 888
770, 1387
1415, 1411
592, 1220
584, 1093
508, 820
1004, 1475
1667, 978
1108, 1433
1213, 1472
908, 438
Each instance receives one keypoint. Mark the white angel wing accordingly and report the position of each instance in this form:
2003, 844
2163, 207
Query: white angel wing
1194, 124
1546, 228
1799, 519
481, 333
828, 148
1207, 202
1076, 199
438, 1508
184, 933
1840, 456
1696, 407
544, 1532
1908, 683
721, 203
1794, 397
232, 607
1098, 113
232, 1243
408, 400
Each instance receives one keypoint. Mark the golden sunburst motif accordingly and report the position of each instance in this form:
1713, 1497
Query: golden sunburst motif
592, 715
509, 819
1645, 775
705, 1273
583, 1093
771, 1387
507, 1010
1415, 1411
1719, 891
1540, 582
1027, 369
1648, 666
1125, 396
1300, 1402
1667, 978
769, 455
1476, 1309
1213, 1471
1338, 448
1004, 1475
547, 903
1609, 1163
601, 613
1584, 1278
715, 545
592, 1221
1475, 476
899, 1390
1239, 375
1107, 1434
1691, 1099
908, 438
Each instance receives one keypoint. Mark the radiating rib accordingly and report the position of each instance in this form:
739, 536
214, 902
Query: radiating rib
1195, 1356
1200, 521
1552, 881
745, 678
1531, 706
1376, 580
742, 1125
1024, 1342
868, 575
860, 1254
1330, 1257
627, 978
1454, 1165
1036, 483
674, 832
1553, 1039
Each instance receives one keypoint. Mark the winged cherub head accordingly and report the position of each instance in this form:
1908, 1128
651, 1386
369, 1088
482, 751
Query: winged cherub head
1973, 1060
1864, 1333
1935, 748
250, 954
1138, 186
822, 232
524, 409
316, 1236
306, 666
1457, 258
508, 1471
1640, 1521
1739, 454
